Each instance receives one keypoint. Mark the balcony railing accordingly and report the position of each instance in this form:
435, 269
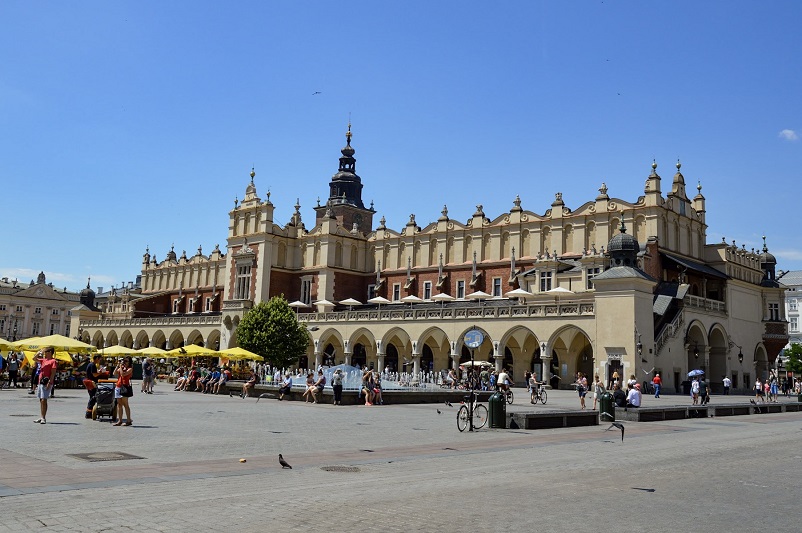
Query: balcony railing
184, 320
453, 312
705, 303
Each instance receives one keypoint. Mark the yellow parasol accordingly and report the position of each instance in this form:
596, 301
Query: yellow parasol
62, 356
117, 351
59, 342
192, 350
158, 352
236, 354
4, 344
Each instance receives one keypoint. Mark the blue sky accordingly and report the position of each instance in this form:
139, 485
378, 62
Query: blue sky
126, 124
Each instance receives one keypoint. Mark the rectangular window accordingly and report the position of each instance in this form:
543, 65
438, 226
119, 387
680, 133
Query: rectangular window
175, 306
545, 281
371, 291
791, 305
19, 309
774, 311
53, 330
208, 307
427, 290
242, 289
67, 331
3, 325
592, 273
2, 307
461, 289
793, 324
496, 287
55, 312
396, 292
35, 329
306, 291
37, 310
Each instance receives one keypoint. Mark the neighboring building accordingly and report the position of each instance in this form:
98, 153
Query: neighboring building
35, 309
658, 299
792, 281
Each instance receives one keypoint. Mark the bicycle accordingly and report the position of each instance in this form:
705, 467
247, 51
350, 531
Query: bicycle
538, 394
477, 411
507, 395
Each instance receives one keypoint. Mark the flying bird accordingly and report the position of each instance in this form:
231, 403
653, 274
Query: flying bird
618, 425
644, 490
439, 412
263, 395
283, 463
316, 92
182, 351
449, 403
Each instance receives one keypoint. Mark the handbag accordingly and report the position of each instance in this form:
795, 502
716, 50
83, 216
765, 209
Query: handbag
126, 391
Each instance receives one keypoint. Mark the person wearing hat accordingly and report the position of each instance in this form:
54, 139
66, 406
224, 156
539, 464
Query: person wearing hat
634, 396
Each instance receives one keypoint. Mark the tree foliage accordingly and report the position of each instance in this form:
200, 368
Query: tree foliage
271, 329
794, 354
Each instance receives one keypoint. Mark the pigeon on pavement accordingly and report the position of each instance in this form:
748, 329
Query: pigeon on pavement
618, 425
283, 463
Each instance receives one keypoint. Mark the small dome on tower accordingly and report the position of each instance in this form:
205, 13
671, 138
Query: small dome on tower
623, 248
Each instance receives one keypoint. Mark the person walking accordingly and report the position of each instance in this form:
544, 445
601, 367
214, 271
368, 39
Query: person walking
337, 386
581, 388
704, 395
94, 372
13, 369
658, 384
727, 384
123, 390
47, 378
598, 390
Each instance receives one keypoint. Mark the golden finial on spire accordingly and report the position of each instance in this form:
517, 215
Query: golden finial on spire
253, 174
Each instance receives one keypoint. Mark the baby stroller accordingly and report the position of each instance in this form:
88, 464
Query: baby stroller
105, 404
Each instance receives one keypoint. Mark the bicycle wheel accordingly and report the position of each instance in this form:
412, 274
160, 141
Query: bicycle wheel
462, 418
479, 416
509, 397
543, 396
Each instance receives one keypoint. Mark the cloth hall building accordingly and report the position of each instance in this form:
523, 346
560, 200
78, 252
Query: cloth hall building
611, 285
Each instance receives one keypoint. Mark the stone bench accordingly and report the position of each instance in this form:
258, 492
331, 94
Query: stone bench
656, 414
552, 419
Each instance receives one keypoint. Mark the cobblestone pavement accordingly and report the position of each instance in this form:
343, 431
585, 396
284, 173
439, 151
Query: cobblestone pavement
396, 468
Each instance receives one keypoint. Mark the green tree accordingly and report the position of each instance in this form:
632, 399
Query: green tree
794, 354
271, 329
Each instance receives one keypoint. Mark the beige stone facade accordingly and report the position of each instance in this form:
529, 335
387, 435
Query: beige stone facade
34, 309
678, 304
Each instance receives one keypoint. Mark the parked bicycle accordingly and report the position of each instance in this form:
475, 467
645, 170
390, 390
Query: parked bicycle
471, 408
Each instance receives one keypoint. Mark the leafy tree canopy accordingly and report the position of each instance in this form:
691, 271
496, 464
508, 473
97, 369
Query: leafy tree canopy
794, 354
271, 329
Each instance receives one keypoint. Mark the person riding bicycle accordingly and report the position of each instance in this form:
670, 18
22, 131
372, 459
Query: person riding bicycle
504, 382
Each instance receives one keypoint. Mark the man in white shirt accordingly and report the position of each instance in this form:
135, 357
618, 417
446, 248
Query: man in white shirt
634, 397
503, 382
727, 385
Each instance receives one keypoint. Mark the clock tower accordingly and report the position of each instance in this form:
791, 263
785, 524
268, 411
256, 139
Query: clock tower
345, 195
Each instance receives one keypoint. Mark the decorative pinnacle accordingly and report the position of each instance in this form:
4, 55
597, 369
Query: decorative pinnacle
765, 248
348, 133
654, 165
253, 174
679, 165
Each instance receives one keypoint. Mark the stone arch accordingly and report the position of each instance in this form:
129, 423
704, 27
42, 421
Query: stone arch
568, 239
195, 337
439, 348
281, 256
338, 254
571, 352
97, 340
523, 347
486, 246
467, 249
695, 343
316, 254
366, 341
213, 340
159, 340
354, 258
590, 235
111, 339
142, 340
505, 245
719, 348
449, 250
401, 260
176, 339
526, 245
398, 338
545, 239
762, 365
416, 254
333, 337
127, 339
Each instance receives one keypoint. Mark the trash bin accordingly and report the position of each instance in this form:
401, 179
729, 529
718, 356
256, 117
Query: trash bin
497, 411
606, 408
799, 398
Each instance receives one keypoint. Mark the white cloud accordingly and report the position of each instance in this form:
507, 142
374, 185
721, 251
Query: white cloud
59, 279
789, 135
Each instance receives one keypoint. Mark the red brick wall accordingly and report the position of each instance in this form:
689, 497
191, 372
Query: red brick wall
286, 283
350, 285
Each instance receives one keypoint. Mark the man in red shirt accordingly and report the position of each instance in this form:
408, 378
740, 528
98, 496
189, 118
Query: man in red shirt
658, 384
47, 375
